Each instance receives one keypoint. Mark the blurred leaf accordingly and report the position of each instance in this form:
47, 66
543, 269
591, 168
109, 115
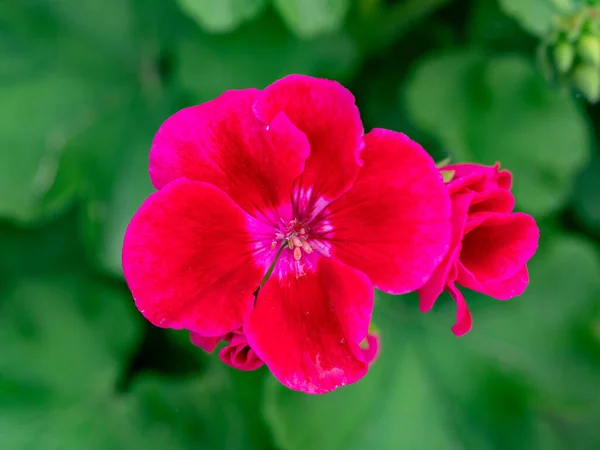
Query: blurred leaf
158, 413
110, 23
120, 181
534, 15
587, 195
256, 55
204, 412
223, 15
29, 163
499, 109
547, 333
309, 18
66, 333
491, 27
54, 246
55, 92
539, 343
488, 390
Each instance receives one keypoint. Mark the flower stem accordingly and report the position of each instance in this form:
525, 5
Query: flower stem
270, 269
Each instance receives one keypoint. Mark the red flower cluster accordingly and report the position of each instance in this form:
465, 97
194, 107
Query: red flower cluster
275, 217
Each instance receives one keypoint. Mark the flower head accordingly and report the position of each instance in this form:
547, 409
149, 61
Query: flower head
280, 189
490, 244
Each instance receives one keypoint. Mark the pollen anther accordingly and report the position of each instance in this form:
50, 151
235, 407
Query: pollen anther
297, 253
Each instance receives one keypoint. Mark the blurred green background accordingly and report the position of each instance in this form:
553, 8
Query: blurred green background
84, 85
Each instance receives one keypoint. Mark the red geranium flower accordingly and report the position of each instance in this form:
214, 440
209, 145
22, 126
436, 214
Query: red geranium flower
490, 244
282, 182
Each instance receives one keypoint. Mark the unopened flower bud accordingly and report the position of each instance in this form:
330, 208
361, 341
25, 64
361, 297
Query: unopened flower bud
564, 55
588, 48
586, 79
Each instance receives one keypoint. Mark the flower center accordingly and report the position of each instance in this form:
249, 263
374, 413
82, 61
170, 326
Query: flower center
295, 236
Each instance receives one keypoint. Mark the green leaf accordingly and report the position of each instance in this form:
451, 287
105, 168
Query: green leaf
53, 245
547, 334
538, 16
256, 55
498, 109
57, 87
158, 413
490, 27
310, 18
587, 195
119, 180
534, 15
66, 333
492, 389
55, 107
109, 24
208, 411
223, 15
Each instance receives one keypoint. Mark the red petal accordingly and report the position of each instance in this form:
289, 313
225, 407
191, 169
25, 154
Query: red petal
394, 224
370, 348
208, 344
499, 245
239, 355
325, 111
429, 293
463, 315
188, 259
478, 178
221, 142
308, 329
501, 290
497, 200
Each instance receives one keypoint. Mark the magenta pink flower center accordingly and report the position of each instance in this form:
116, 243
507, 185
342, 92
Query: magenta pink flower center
295, 235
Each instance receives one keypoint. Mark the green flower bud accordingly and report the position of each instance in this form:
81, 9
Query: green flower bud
588, 48
586, 78
564, 55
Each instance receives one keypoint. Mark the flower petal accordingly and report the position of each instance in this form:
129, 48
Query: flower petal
188, 259
325, 111
496, 200
478, 178
308, 329
464, 321
499, 246
429, 293
501, 290
221, 142
239, 355
370, 348
394, 224
206, 343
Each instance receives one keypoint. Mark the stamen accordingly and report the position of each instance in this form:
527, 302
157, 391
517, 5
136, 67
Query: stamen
297, 253
290, 244
296, 241
306, 247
